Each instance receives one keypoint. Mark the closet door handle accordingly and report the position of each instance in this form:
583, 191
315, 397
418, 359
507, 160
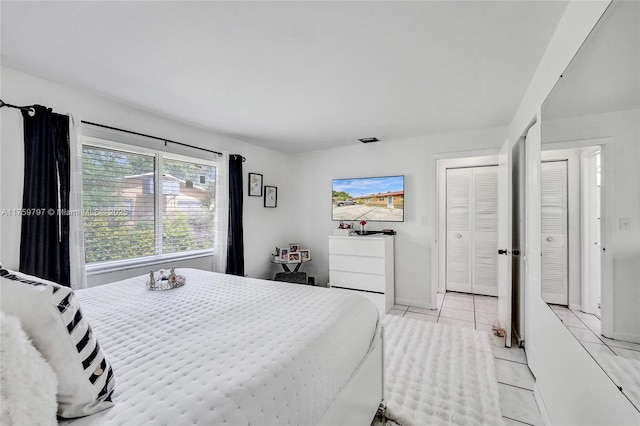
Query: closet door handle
459, 235
549, 239
506, 252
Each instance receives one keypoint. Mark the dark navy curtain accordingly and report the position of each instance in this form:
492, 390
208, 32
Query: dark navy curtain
235, 249
44, 239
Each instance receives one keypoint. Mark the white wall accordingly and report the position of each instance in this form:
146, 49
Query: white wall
263, 227
415, 239
572, 388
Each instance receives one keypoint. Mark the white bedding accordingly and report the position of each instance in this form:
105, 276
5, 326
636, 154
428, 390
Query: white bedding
226, 350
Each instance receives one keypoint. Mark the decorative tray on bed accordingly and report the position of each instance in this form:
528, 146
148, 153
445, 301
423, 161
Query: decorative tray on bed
166, 283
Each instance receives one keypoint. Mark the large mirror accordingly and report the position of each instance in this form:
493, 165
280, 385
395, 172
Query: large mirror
590, 196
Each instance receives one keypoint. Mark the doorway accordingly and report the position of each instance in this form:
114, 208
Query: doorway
554, 208
467, 225
570, 236
591, 231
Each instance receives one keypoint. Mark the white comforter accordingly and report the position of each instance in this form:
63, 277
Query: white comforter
226, 350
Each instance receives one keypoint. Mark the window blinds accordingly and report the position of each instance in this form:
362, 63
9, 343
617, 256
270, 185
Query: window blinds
124, 218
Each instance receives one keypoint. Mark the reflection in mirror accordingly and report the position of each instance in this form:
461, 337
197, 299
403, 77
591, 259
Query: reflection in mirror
590, 197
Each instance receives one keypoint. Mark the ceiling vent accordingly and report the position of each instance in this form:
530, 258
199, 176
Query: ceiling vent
369, 140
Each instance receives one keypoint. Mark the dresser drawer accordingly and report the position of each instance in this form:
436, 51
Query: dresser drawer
367, 265
357, 280
363, 246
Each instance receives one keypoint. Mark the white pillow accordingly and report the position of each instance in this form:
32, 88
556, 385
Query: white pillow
27, 382
51, 316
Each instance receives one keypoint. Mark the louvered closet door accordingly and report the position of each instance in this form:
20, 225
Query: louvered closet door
553, 210
458, 225
472, 225
485, 231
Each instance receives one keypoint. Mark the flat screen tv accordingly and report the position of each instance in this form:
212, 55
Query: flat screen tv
374, 199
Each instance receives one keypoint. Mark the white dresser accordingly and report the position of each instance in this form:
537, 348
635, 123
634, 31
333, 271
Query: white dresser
363, 264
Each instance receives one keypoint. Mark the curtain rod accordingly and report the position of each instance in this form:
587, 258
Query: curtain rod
29, 108
166, 141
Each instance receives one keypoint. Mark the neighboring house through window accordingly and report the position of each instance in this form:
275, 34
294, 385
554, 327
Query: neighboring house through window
126, 219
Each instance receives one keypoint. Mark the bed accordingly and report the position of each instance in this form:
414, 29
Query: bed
231, 350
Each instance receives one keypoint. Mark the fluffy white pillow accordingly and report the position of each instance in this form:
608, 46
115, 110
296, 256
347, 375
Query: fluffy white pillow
27, 382
51, 316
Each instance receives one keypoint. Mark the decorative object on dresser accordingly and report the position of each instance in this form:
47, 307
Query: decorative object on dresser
344, 229
270, 196
364, 265
255, 185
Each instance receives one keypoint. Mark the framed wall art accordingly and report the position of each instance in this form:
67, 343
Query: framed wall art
255, 185
270, 196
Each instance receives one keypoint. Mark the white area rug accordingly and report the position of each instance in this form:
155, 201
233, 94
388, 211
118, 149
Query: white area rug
437, 374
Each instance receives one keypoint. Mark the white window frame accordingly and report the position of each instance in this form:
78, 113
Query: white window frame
159, 157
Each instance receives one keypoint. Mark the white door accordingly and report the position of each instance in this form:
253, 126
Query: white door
595, 243
484, 275
591, 245
458, 214
554, 281
531, 250
471, 212
390, 202
517, 262
502, 254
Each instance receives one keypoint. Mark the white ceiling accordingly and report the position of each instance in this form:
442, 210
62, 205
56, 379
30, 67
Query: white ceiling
293, 76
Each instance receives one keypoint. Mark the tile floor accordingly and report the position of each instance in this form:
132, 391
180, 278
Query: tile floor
587, 329
515, 380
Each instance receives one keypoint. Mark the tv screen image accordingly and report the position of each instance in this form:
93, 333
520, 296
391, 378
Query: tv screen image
374, 199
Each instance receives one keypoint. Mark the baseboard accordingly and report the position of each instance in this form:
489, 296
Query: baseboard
413, 302
543, 409
575, 307
627, 337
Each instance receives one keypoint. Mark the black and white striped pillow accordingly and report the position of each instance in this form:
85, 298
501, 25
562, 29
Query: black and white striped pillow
51, 316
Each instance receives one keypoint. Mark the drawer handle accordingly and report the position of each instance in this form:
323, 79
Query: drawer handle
459, 235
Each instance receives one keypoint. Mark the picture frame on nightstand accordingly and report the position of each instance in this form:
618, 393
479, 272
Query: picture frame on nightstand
294, 257
284, 254
305, 255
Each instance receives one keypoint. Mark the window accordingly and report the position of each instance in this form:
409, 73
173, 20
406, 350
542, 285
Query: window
125, 218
